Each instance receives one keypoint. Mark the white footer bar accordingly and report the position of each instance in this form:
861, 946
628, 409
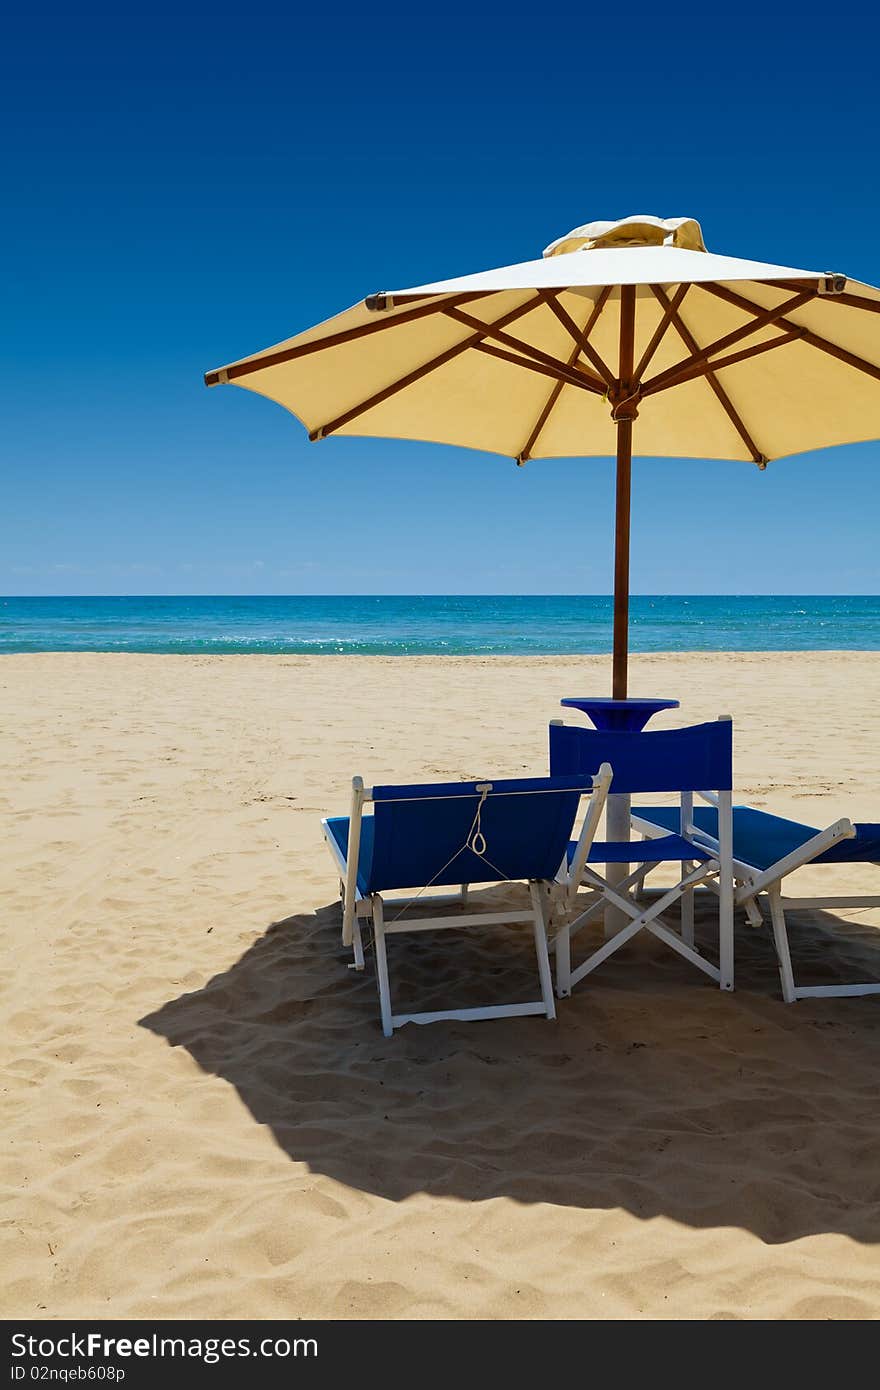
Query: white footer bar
834, 991
456, 1015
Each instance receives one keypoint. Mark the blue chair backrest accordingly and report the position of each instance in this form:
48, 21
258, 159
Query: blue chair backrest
698, 758
420, 832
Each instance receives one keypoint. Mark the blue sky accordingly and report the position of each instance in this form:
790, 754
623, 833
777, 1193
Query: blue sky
184, 183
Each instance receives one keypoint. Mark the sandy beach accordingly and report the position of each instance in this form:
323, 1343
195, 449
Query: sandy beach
202, 1118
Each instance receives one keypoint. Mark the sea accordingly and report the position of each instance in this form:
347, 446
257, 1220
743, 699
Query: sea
434, 625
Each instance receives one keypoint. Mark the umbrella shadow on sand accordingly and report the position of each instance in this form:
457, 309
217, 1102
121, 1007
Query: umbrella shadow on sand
653, 1092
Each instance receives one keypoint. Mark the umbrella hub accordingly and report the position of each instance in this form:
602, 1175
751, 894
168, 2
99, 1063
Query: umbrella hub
639, 230
624, 398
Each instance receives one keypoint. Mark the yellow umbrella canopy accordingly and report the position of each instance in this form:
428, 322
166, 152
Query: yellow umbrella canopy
716, 357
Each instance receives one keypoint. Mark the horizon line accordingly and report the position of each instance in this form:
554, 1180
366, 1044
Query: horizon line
757, 593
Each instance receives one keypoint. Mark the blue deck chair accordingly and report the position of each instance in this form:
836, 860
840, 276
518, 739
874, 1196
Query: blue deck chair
692, 761
766, 849
439, 834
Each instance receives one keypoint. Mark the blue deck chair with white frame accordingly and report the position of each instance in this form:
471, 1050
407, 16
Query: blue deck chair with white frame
439, 834
694, 761
766, 849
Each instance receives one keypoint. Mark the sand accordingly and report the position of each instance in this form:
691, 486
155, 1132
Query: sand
202, 1117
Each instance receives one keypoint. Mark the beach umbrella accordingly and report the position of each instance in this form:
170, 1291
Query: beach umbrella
621, 328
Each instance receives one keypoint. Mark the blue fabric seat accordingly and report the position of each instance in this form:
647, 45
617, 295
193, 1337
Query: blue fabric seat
664, 848
659, 760
762, 839
339, 828
417, 833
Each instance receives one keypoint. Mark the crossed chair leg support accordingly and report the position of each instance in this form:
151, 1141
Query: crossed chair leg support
646, 919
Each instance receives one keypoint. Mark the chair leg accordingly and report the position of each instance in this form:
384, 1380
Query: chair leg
349, 920
562, 948
753, 912
725, 890
563, 962
780, 939
687, 907
539, 902
358, 944
725, 930
382, 967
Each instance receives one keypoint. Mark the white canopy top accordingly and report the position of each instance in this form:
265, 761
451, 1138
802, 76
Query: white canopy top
631, 265
637, 250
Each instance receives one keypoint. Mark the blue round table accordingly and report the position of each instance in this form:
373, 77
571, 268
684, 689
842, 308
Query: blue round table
630, 716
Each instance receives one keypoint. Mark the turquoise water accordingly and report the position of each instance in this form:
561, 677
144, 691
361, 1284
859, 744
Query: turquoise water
532, 625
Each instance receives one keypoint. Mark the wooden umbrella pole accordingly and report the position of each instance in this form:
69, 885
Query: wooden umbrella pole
624, 402
621, 560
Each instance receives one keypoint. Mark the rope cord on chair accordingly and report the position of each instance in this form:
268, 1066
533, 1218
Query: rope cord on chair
461, 796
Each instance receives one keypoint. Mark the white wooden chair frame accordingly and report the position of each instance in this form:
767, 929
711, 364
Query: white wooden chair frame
715, 871
358, 908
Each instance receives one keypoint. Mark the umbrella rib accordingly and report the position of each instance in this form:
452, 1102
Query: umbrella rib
699, 369
851, 301
582, 339
346, 335
762, 318
558, 372
430, 366
671, 308
806, 334
521, 346
721, 395
526, 452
